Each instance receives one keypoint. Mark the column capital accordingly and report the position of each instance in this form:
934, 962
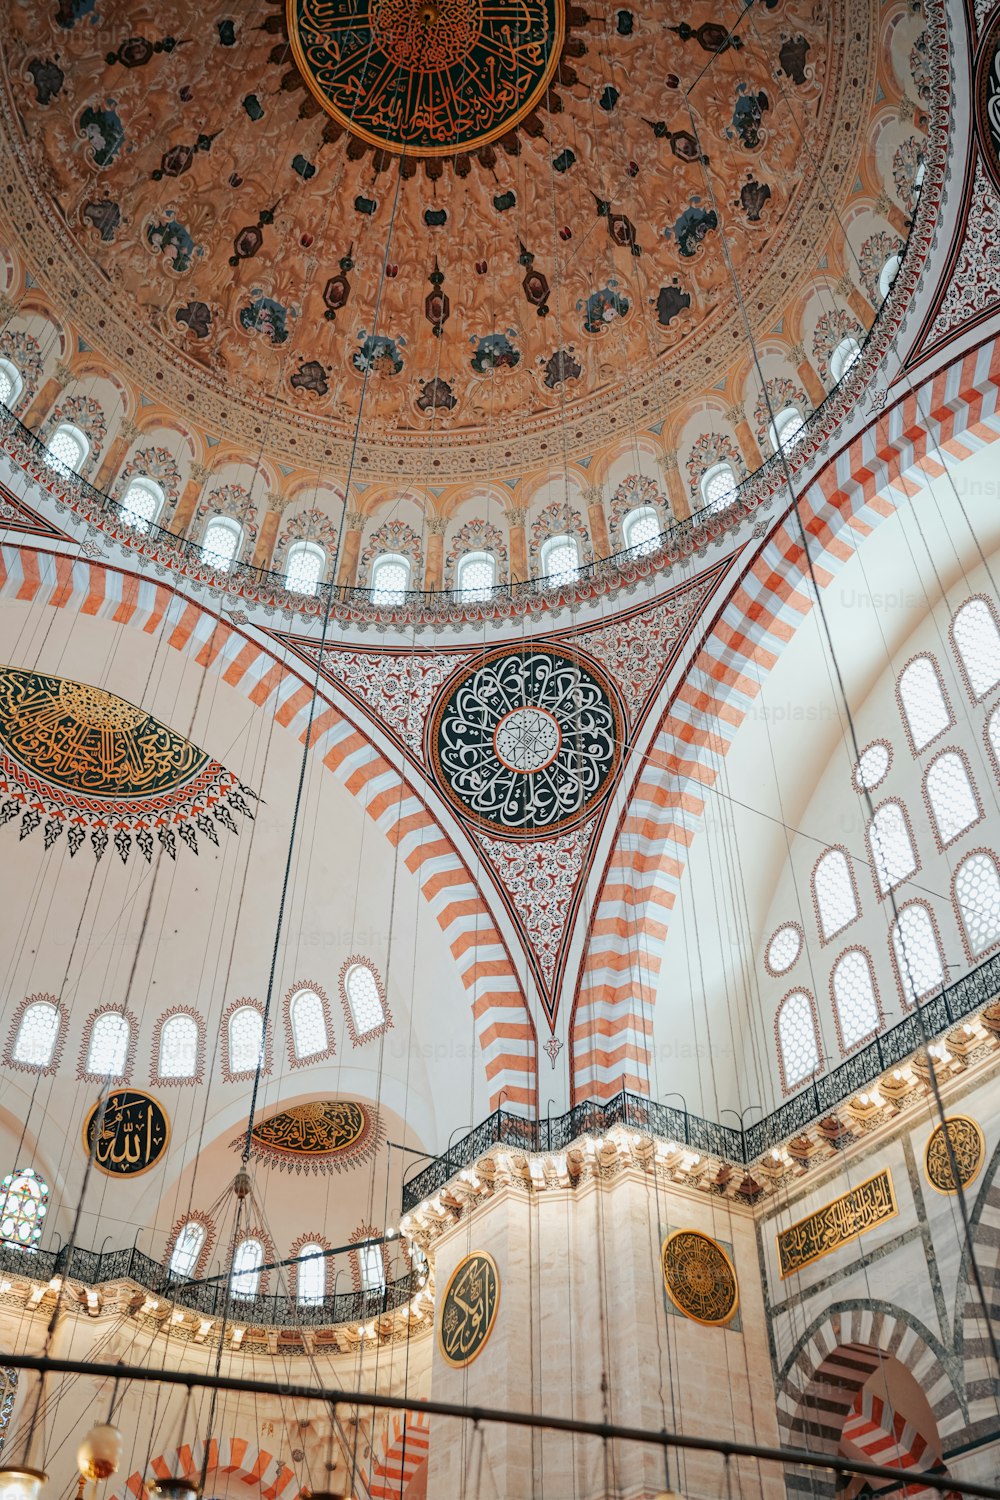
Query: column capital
517, 515
667, 462
736, 413
63, 374
354, 520
437, 525
797, 354
593, 494
200, 472
844, 286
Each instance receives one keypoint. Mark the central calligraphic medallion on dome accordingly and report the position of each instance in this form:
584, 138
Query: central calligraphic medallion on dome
427, 77
526, 741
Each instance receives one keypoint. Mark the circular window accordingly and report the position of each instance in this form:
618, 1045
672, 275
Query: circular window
784, 948
872, 766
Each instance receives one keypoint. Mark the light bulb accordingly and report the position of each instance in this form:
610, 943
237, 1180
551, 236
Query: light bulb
21, 1484
100, 1453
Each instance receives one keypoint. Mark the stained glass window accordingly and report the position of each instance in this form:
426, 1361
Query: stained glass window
784, 948
977, 641
797, 1038
108, 1050
476, 576
246, 1039
247, 1261
951, 795
66, 450
24, 1202
977, 892
893, 859
925, 707
187, 1248
37, 1034
310, 1284
309, 1035
306, 562
178, 1047
833, 889
915, 945
872, 766
364, 998
854, 996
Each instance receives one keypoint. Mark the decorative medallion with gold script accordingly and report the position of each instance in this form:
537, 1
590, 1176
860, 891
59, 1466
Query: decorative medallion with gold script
321, 1136
132, 1133
469, 1308
968, 1148
82, 760
854, 1213
699, 1277
427, 77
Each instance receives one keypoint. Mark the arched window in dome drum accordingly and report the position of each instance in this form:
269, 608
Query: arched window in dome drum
108, 1049
248, 1258
66, 450
372, 1268
854, 998
888, 275
140, 505
306, 563
178, 1057
560, 560
246, 1039
798, 1044
976, 886
221, 543
844, 358
308, 1022
187, 1248
390, 579
917, 952
475, 576
641, 530
11, 383
37, 1035
310, 1280
364, 996
926, 712
718, 486
976, 638
24, 1202
891, 848
952, 796
787, 428
833, 893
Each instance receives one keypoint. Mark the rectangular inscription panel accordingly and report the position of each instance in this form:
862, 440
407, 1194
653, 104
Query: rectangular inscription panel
853, 1213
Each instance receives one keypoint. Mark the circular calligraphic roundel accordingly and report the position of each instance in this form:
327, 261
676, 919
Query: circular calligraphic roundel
469, 1308
427, 77
699, 1277
127, 1134
968, 1148
525, 740
987, 98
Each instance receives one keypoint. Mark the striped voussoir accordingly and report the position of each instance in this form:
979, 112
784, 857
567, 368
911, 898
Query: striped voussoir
910, 444
503, 1026
981, 1387
405, 1446
255, 1467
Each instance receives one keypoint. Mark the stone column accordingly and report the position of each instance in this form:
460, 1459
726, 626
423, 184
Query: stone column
268, 534
745, 437
434, 569
516, 517
887, 209
190, 495
856, 301
597, 520
811, 382
42, 403
680, 500
350, 548
114, 457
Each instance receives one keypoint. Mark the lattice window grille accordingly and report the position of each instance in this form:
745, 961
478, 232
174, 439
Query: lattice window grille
246, 1039
187, 1248
365, 1000
247, 1261
834, 892
309, 1035
952, 796
925, 707
390, 580
306, 562
891, 847
108, 1050
977, 891
310, 1286
24, 1202
797, 1039
854, 997
36, 1035
977, 641
178, 1047
917, 952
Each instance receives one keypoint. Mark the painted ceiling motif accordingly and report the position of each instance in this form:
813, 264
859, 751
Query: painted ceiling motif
323, 1135
86, 761
230, 236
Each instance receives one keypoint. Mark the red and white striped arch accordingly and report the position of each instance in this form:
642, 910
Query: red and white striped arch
503, 1024
952, 415
401, 1472
259, 1470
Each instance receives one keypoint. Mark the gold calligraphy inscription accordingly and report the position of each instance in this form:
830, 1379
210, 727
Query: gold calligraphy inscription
428, 77
320, 1126
699, 1277
83, 739
968, 1148
469, 1308
128, 1134
852, 1214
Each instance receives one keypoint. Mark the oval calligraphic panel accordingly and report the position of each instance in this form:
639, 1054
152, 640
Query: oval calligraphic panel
127, 1133
699, 1277
319, 1136
469, 1308
967, 1147
987, 98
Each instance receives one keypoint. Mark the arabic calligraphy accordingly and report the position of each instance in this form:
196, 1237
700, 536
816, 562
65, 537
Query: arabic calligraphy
967, 1146
88, 741
469, 1309
526, 741
699, 1278
127, 1134
429, 77
316, 1136
852, 1214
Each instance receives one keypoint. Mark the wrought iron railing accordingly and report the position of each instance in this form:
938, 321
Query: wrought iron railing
742, 1145
97, 1268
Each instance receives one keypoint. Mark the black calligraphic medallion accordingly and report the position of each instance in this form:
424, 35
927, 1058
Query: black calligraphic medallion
469, 1309
131, 1131
429, 77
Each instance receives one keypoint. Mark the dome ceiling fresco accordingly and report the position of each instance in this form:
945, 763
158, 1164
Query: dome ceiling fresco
245, 224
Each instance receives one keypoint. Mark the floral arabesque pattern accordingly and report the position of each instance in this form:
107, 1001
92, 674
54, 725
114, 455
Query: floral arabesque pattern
831, 329
559, 519
712, 448
875, 251
228, 500
477, 536
159, 465
781, 393
83, 412
393, 536
310, 525
634, 490
905, 165
23, 351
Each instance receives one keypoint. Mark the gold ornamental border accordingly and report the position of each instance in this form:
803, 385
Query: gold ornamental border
463, 1364
398, 148
92, 1115
966, 1120
699, 1235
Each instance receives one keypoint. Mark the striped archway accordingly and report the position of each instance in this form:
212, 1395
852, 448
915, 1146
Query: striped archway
237, 1457
401, 1471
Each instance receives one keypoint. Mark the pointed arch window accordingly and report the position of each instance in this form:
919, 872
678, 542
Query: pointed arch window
11, 383
476, 576
67, 450
787, 429
363, 997
37, 1034
891, 847
188, 1246
951, 795
246, 1040
926, 711
221, 543
975, 635
834, 893
798, 1039
306, 565
372, 1263
390, 579
977, 896
307, 1018
855, 998
641, 530
718, 486
560, 559
844, 358
24, 1202
177, 1055
916, 952
141, 504
107, 1053
310, 1281
248, 1258
888, 275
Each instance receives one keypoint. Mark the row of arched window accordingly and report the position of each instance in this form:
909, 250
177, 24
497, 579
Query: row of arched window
954, 807
308, 1277
179, 1037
